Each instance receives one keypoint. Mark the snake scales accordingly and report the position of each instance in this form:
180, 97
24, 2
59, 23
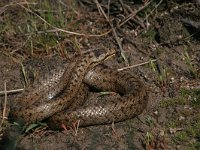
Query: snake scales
60, 95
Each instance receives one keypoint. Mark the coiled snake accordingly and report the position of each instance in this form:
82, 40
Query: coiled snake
60, 96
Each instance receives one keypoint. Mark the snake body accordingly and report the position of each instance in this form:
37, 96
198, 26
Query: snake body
131, 102
73, 82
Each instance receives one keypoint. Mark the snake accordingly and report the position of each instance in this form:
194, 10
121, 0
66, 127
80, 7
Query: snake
60, 96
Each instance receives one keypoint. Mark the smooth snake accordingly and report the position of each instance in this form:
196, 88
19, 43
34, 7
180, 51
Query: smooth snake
60, 96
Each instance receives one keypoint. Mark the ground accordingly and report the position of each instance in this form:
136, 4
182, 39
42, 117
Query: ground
163, 35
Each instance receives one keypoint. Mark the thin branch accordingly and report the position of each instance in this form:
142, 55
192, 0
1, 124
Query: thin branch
113, 30
137, 19
5, 105
133, 66
154, 8
133, 14
11, 91
4, 8
191, 23
5, 101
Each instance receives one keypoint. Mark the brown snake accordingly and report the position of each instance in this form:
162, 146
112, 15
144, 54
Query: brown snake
85, 70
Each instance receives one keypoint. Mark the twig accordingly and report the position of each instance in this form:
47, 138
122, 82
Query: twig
136, 65
137, 19
5, 104
11, 91
114, 131
76, 127
191, 23
154, 9
133, 14
113, 30
5, 100
68, 32
108, 8
3, 9
62, 30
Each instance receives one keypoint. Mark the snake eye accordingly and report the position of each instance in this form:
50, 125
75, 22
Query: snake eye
100, 53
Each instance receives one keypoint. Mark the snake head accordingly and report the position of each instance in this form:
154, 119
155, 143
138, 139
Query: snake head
103, 54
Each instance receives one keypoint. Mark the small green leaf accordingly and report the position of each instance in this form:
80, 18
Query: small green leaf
31, 126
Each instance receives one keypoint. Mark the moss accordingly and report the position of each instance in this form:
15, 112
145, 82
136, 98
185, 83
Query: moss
194, 96
149, 34
181, 136
171, 124
190, 125
186, 97
173, 102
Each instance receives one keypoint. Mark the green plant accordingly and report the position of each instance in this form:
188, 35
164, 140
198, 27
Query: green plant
35, 126
149, 138
189, 63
